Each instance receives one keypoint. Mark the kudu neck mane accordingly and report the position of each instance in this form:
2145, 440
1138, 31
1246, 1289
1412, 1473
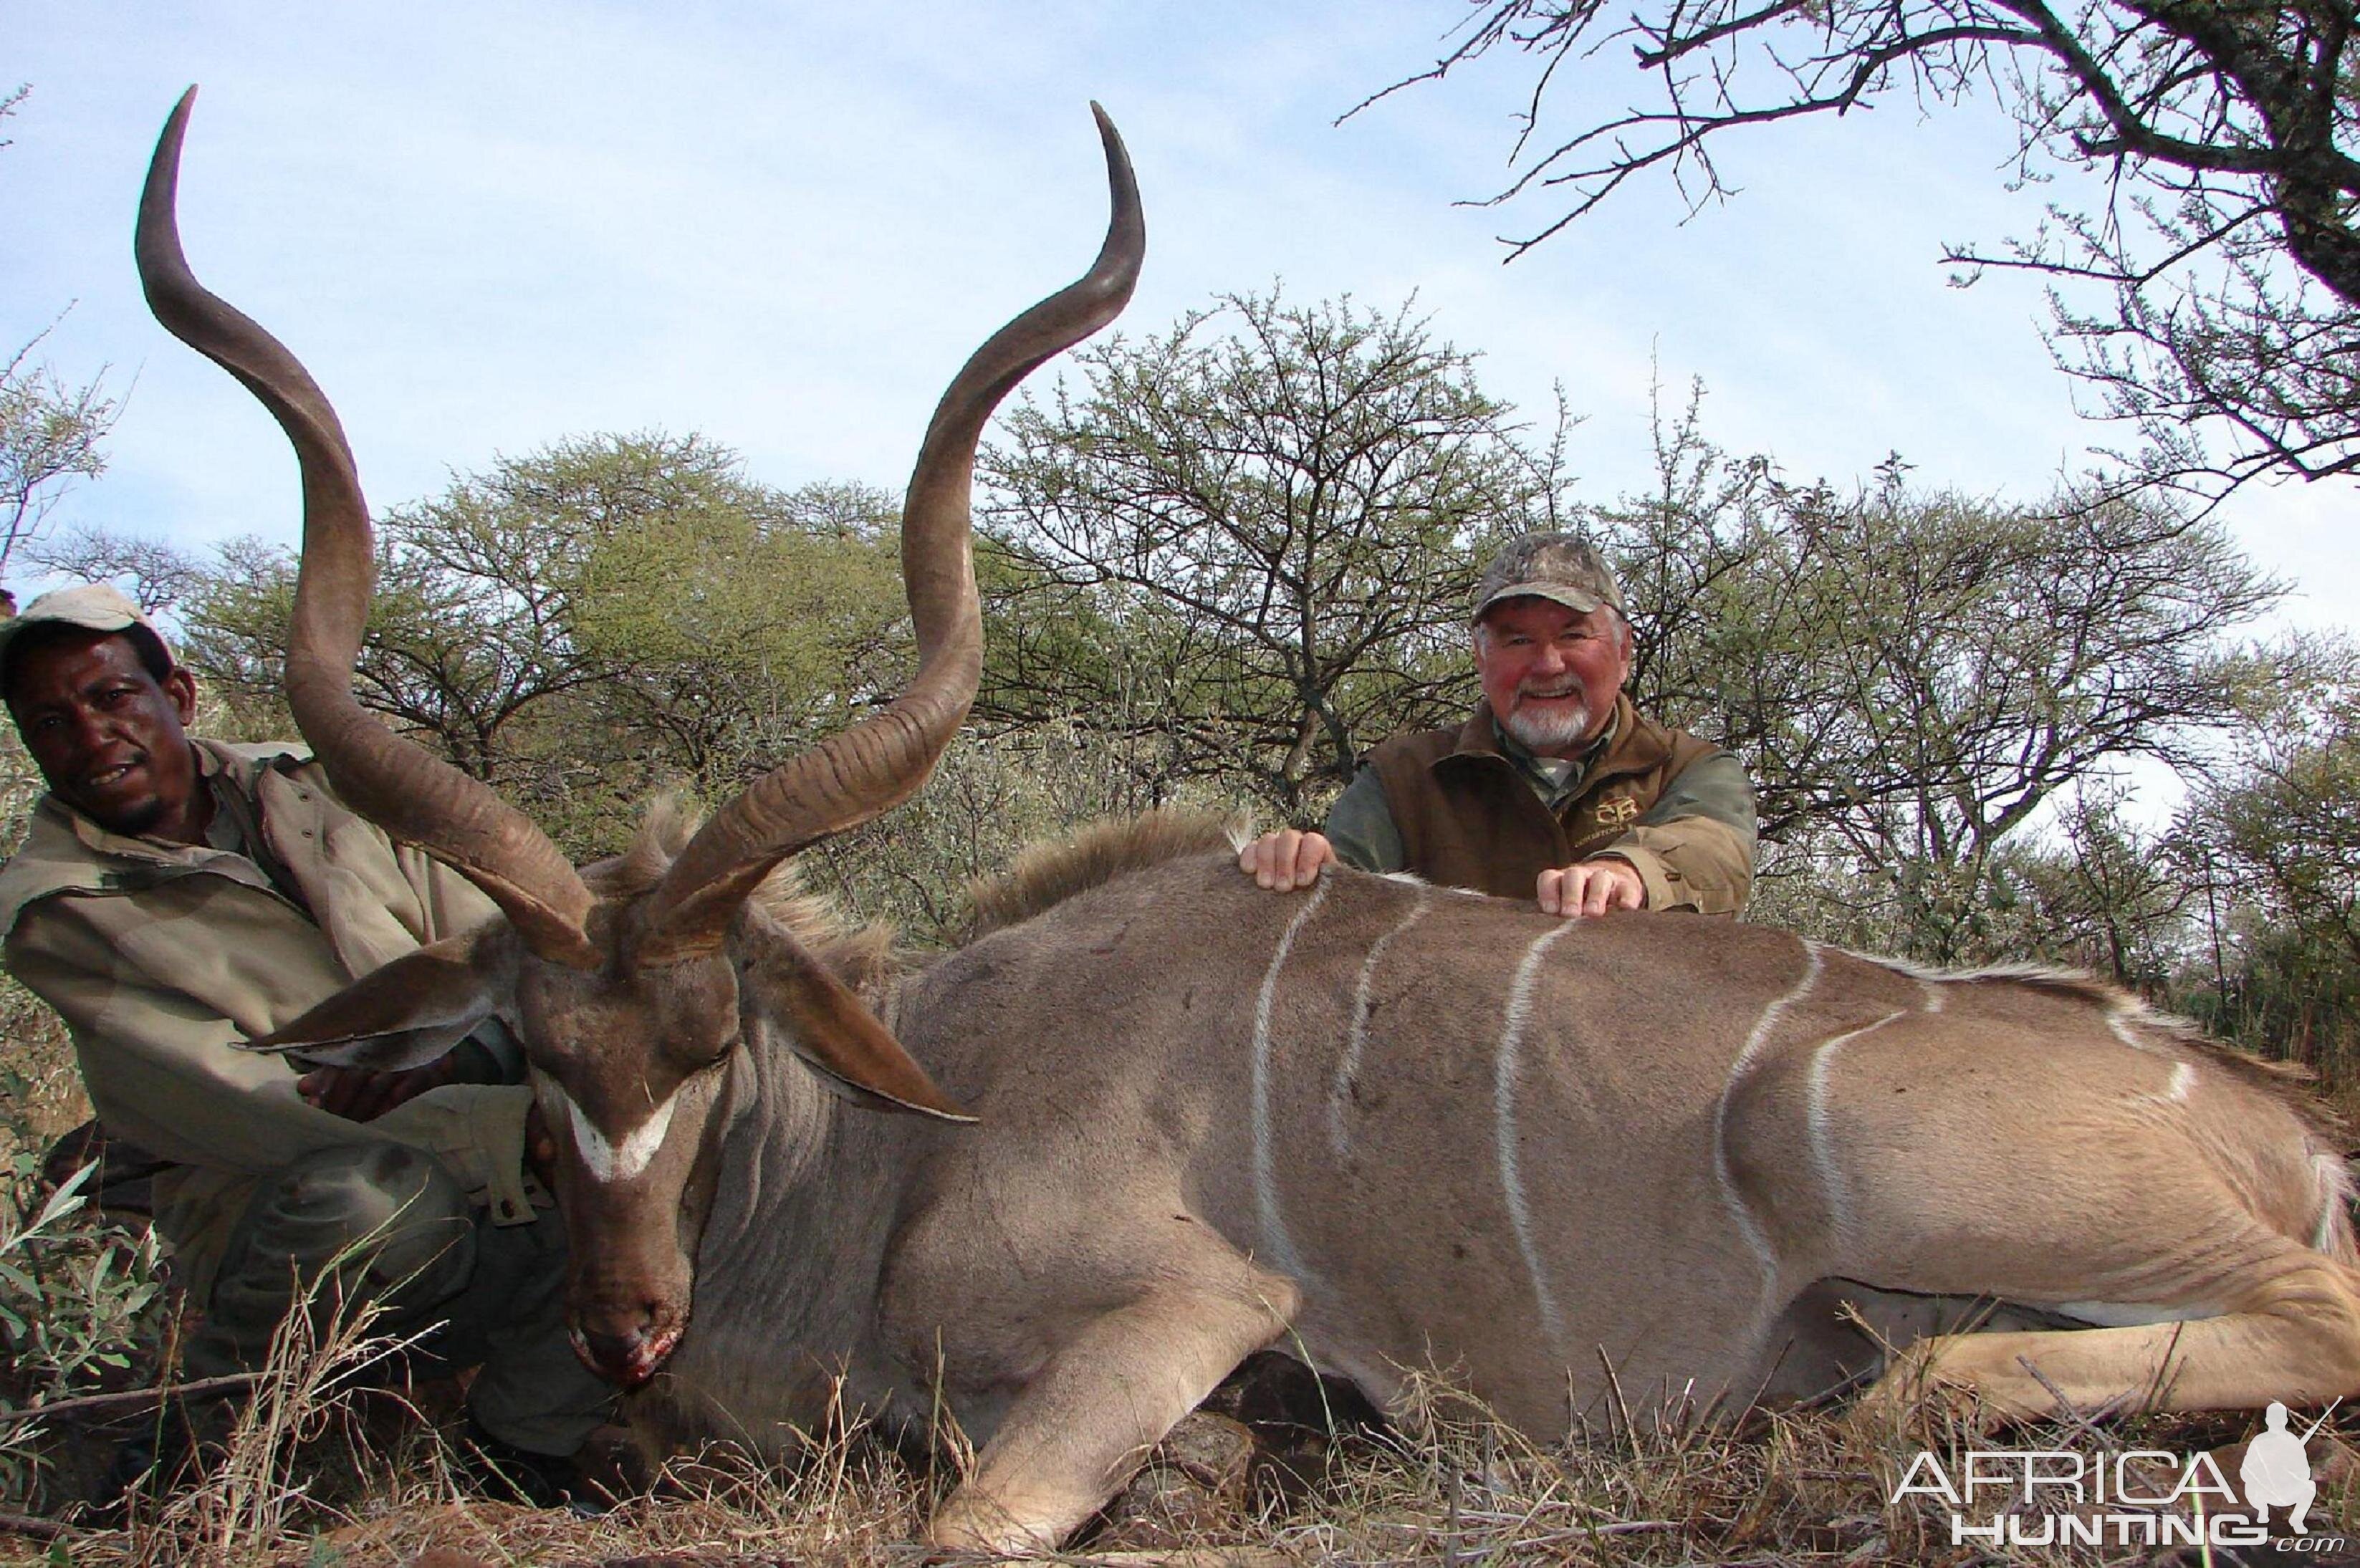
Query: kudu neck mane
1046, 874
867, 956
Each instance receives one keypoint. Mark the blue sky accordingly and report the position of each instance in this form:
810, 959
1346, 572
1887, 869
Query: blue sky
488, 227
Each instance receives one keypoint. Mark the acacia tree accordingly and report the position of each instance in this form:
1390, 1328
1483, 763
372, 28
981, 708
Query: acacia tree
2270, 837
2282, 821
2227, 241
587, 620
2110, 896
49, 436
1252, 535
469, 626
743, 624
1911, 675
157, 575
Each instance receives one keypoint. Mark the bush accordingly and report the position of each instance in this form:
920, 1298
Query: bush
82, 1301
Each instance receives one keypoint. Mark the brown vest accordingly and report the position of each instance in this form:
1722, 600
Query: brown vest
1468, 819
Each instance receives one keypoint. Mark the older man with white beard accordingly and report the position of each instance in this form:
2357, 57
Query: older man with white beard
1556, 787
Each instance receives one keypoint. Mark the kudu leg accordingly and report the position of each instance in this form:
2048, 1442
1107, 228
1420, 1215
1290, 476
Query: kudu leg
2294, 1335
2114, 1179
1106, 1397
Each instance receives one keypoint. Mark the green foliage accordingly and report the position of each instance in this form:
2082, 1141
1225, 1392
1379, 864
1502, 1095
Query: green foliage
1230, 558
2288, 818
993, 794
2274, 839
2102, 893
1253, 537
636, 592
726, 631
1912, 676
49, 435
83, 1298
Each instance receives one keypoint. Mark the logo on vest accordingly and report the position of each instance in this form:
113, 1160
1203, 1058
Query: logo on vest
1617, 811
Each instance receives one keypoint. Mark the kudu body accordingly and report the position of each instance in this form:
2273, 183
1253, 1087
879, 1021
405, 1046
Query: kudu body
1386, 1125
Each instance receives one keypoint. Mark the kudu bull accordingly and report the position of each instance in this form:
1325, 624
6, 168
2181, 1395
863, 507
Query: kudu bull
1384, 1124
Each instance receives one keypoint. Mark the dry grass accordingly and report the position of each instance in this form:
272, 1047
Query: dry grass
262, 1455
304, 1487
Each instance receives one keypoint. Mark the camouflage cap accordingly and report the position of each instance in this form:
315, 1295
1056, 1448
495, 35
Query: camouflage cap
1564, 568
94, 606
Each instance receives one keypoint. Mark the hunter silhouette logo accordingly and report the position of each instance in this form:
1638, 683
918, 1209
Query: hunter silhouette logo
2276, 1472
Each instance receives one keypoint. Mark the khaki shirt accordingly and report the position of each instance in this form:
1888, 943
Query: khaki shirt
163, 959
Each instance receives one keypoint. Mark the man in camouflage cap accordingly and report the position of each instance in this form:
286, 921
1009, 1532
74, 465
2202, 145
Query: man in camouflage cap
1555, 787
174, 897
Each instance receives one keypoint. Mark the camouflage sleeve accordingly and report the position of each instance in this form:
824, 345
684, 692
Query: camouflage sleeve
1361, 826
1694, 848
169, 1074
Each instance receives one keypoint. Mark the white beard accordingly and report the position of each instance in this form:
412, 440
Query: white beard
1545, 732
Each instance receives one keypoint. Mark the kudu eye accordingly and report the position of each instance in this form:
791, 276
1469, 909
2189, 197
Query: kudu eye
704, 1055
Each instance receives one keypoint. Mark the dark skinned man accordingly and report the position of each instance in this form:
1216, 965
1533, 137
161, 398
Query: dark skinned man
173, 898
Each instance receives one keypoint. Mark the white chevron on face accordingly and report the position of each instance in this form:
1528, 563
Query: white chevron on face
610, 1161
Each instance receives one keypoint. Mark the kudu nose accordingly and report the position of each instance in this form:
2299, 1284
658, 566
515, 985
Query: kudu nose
612, 1350
624, 1348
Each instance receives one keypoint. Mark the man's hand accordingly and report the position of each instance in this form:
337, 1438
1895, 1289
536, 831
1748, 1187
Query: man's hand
359, 1095
1592, 887
1286, 859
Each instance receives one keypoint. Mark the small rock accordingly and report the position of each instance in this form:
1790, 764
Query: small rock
1198, 1479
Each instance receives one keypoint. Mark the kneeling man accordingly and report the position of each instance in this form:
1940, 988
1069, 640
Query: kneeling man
175, 898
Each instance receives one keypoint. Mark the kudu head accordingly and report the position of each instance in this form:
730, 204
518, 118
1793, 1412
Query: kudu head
633, 996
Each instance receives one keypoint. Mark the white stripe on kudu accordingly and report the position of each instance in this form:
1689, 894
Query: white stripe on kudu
618, 1162
2333, 1177
2120, 1021
2183, 1083
1339, 1092
1504, 1122
1282, 1255
1754, 1044
1823, 1151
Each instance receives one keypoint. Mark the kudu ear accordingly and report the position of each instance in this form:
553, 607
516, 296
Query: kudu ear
412, 1010
832, 1029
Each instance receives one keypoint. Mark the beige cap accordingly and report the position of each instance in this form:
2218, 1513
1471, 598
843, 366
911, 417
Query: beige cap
96, 606
1564, 568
